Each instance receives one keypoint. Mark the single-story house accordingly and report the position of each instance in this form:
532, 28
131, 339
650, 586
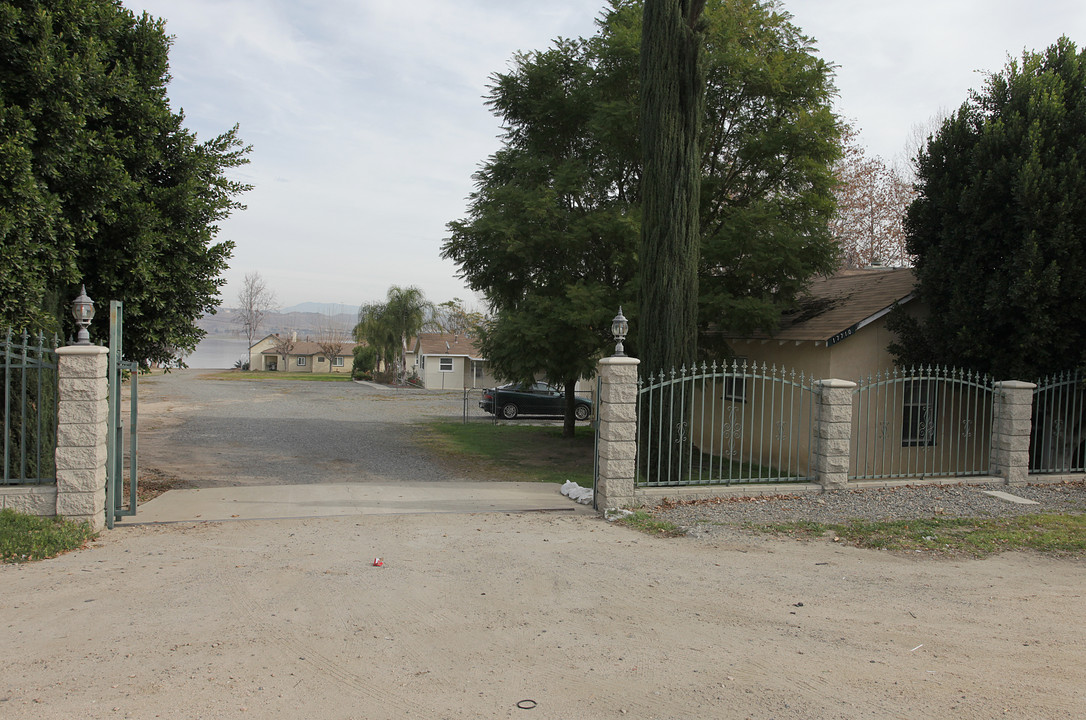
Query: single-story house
304, 356
839, 328
445, 361
935, 422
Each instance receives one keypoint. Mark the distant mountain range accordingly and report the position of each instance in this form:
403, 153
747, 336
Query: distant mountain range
305, 319
322, 308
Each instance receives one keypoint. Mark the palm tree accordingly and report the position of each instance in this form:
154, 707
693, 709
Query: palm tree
389, 325
409, 312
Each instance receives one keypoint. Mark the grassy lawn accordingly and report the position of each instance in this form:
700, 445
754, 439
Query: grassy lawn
260, 375
24, 537
1050, 533
517, 452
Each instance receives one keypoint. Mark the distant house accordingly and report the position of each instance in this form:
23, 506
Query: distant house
839, 327
305, 356
444, 361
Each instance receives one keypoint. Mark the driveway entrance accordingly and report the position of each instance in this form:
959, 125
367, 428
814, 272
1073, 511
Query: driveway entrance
292, 448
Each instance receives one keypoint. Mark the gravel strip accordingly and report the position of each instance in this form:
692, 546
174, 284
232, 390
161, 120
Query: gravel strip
910, 501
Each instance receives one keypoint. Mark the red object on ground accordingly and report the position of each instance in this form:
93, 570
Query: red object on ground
378, 562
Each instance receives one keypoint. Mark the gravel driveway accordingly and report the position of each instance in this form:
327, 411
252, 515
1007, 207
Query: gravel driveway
214, 433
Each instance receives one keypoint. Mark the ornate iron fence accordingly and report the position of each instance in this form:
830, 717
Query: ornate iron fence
725, 424
29, 382
921, 422
1058, 440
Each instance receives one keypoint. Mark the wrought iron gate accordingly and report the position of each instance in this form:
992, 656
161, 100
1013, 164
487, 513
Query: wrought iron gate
921, 422
725, 424
1058, 441
118, 483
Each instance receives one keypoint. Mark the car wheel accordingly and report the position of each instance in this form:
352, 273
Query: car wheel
581, 412
509, 411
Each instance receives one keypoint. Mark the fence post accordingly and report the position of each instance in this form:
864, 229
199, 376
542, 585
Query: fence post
617, 432
833, 432
1012, 423
82, 416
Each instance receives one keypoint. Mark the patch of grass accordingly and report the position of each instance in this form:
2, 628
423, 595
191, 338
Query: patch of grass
261, 375
1049, 533
516, 452
646, 523
24, 537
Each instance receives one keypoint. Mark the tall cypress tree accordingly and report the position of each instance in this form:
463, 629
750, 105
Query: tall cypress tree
672, 93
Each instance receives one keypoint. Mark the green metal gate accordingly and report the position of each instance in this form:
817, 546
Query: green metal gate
725, 424
1058, 441
921, 422
120, 486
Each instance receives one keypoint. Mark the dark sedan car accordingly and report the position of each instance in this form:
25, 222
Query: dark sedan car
539, 398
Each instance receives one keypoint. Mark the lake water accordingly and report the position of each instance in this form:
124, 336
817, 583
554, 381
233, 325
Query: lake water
218, 352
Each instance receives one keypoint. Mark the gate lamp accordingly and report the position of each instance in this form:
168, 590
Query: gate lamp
83, 312
620, 326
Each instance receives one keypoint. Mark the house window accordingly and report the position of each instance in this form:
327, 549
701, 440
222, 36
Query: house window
320, 358
918, 413
337, 361
446, 365
422, 362
735, 382
301, 361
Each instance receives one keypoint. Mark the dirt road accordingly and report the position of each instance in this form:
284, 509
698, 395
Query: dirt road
472, 614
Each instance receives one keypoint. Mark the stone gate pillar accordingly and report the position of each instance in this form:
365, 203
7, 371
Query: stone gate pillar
833, 432
1012, 422
82, 420
617, 451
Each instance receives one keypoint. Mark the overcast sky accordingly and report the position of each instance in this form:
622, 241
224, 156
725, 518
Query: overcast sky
367, 119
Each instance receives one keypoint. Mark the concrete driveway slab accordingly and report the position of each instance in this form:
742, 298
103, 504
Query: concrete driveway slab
337, 499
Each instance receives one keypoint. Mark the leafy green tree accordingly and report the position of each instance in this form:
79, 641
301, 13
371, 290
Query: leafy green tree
100, 182
387, 326
409, 313
452, 317
999, 227
365, 362
374, 329
549, 241
557, 210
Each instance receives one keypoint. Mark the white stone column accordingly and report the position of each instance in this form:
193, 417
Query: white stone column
833, 432
1012, 423
82, 420
617, 432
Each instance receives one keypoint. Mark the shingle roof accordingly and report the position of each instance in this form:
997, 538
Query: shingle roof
447, 344
836, 303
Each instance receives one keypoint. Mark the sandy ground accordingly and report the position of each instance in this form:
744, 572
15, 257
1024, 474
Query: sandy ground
472, 614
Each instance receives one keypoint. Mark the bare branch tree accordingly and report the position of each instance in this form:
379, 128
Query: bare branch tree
330, 338
917, 142
872, 199
283, 344
255, 301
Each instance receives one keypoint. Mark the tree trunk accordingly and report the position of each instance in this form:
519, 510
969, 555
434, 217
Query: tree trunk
672, 95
